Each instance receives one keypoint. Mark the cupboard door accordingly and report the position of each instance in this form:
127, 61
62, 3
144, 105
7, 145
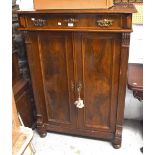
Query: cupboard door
56, 59
98, 71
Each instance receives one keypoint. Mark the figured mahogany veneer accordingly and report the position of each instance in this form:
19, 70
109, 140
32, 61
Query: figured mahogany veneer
79, 53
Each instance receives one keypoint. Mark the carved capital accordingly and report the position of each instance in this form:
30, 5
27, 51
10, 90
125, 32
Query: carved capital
125, 39
40, 126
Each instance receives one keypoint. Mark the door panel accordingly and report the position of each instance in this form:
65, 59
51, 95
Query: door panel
57, 71
99, 54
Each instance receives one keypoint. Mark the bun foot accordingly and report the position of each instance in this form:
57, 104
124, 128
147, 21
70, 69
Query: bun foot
42, 132
42, 135
141, 149
41, 127
116, 146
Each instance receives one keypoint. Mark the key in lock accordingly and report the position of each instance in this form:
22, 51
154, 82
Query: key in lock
79, 103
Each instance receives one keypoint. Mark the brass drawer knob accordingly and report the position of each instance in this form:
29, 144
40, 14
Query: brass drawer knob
104, 22
39, 22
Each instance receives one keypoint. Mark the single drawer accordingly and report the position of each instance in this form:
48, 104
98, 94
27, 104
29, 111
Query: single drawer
75, 21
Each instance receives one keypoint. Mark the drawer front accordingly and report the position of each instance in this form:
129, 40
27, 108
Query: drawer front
77, 21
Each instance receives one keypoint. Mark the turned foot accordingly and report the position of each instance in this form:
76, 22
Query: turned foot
116, 143
42, 132
116, 146
117, 140
41, 127
42, 135
141, 149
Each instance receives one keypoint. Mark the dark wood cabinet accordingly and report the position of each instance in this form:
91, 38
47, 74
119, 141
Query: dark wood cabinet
22, 94
78, 65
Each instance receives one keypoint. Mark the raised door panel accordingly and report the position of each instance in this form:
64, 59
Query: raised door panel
100, 54
57, 70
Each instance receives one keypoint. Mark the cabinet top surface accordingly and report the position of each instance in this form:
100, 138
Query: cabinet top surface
117, 8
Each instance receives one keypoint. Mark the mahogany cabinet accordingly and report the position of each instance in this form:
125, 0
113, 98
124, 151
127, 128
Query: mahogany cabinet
78, 63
